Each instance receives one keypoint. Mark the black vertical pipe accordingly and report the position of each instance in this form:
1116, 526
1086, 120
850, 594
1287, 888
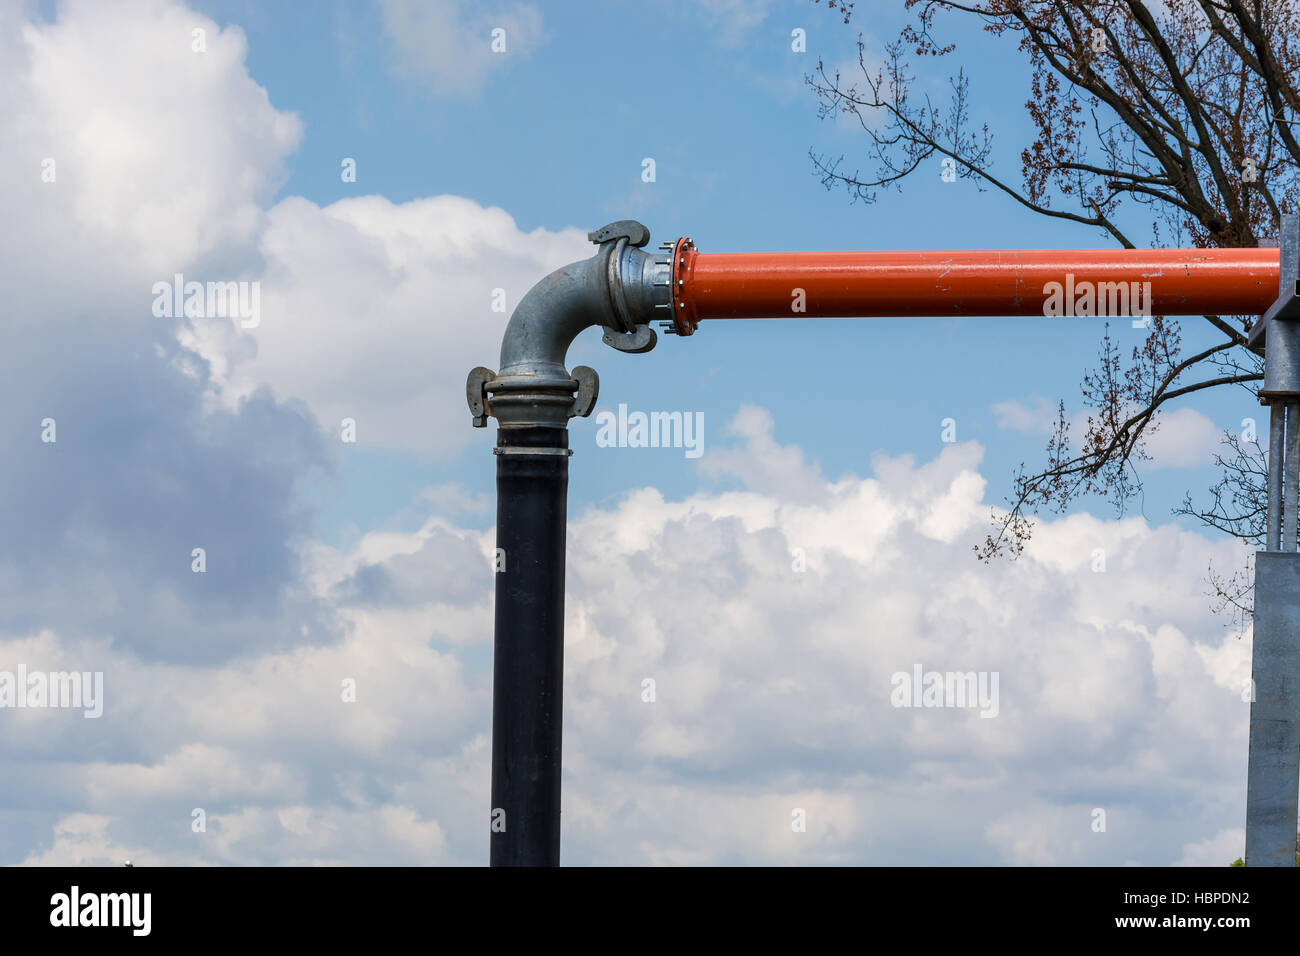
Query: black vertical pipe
528, 653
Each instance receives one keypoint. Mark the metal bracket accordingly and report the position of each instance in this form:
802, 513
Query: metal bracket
476, 394
642, 339
634, 232
588, 391
1286, 307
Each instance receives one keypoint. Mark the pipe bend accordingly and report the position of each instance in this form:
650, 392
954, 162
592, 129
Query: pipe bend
620, 288
550, 316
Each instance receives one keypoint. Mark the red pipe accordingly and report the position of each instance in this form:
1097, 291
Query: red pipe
1013, 282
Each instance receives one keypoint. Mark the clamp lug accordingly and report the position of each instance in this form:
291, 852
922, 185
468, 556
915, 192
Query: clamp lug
476, 394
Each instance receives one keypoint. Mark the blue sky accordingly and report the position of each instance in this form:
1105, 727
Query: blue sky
772, 587
556, 137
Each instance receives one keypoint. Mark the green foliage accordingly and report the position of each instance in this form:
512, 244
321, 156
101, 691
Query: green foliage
1240, 862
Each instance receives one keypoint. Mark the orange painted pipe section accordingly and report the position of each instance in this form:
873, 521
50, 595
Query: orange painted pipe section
972, 283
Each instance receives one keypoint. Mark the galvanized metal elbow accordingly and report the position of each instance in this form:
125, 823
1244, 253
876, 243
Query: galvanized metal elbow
620, 288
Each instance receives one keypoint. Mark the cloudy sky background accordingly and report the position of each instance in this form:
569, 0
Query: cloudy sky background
329, 561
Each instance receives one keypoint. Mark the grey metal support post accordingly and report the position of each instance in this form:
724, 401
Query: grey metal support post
1273, 771
532, 398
